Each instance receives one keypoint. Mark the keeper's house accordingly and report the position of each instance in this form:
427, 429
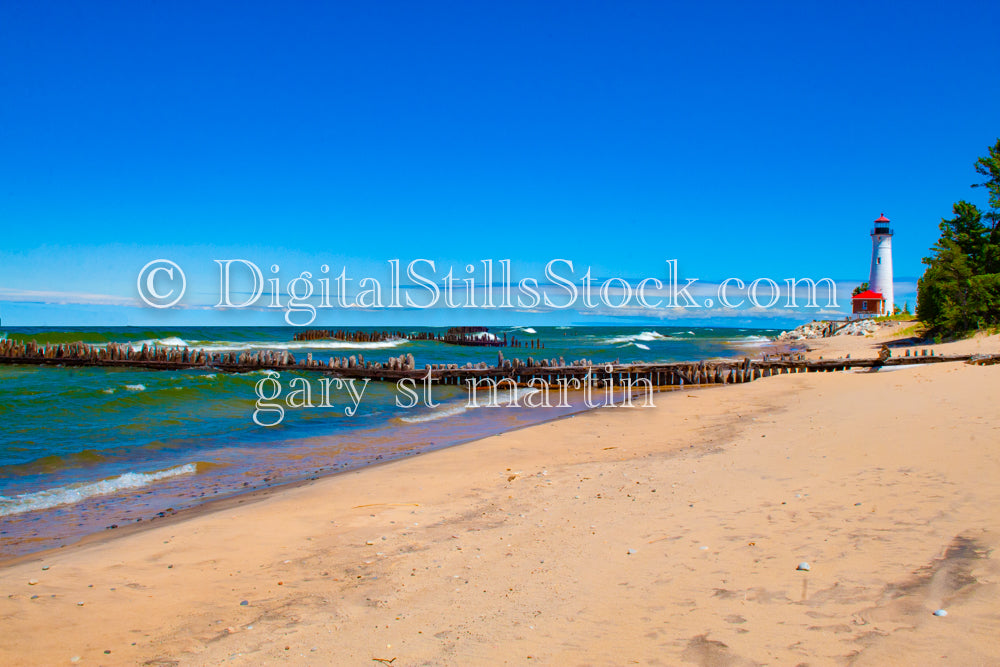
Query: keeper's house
868, 303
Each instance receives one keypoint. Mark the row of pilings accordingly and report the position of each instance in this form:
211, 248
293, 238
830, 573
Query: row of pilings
154, 356
349, 336
469, 336
520, 371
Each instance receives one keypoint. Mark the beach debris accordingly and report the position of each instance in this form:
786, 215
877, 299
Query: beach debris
630, 552
384, 661
32, 582
45, 567
940, 612
244, 603
80, 603
803, 566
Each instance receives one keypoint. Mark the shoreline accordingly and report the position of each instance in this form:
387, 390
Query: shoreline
135, 519
239, 496
138, 521
689, 517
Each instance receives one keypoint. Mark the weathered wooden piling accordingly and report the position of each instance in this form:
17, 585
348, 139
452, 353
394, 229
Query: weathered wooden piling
521, 371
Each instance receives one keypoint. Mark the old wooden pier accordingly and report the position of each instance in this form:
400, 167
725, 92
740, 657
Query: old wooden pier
520, 371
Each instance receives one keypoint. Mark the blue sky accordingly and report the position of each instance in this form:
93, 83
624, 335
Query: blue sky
743, 140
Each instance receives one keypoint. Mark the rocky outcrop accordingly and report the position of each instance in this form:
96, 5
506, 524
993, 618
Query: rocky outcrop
823, 329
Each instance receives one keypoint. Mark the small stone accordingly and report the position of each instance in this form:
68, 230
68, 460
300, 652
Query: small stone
80, 603
32, 582
803, 566
244, 603
45, 567
940, 612
631, 551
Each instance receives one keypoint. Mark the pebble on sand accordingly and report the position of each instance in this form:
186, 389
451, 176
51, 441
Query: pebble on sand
940, 612
803, 566
32, 582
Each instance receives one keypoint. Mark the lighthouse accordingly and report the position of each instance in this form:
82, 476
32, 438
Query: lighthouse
880, 278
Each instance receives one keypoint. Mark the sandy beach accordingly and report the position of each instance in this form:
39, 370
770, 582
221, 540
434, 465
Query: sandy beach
661, 536
901, 338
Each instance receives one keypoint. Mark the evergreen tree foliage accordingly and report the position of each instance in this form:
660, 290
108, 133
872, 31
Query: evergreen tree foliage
960, 289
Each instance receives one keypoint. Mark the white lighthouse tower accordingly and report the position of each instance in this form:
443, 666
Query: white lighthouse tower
880, 278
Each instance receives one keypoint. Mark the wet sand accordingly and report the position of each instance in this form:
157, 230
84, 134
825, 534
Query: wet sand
645, 536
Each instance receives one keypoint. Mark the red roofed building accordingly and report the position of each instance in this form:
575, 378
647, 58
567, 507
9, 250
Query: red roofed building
868, 303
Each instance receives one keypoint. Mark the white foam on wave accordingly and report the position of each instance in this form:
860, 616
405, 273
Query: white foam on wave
504, 398
644, 337
136, 387
74, 493
634, 344
172, 341
752, 341
169, 341
527, 330
435, 414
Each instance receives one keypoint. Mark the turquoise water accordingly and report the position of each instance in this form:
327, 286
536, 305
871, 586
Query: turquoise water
85, 448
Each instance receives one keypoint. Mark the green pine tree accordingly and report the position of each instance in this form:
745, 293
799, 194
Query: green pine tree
960, 289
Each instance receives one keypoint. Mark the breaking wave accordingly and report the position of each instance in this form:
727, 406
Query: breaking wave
74, 493
644, 337
504, 398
